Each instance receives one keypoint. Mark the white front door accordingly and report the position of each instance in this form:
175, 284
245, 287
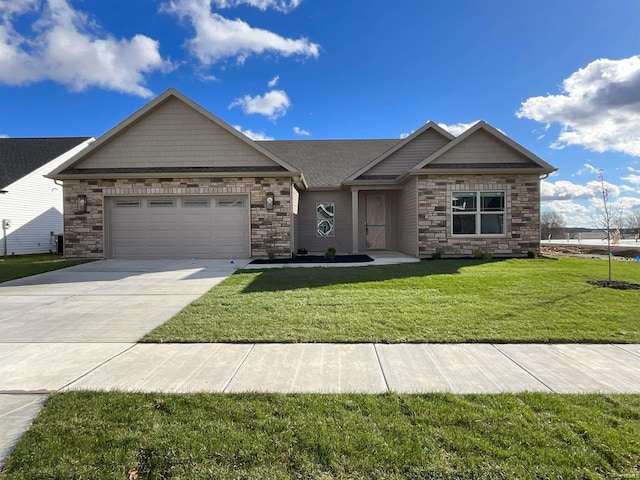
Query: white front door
376, 222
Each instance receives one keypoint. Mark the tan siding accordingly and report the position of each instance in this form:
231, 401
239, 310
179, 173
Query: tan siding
174, 135
295, 213
481, 148
407, 218
308, 239
410, 155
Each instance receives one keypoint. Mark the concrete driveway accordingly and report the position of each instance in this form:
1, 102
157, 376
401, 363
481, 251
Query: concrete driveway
57, 327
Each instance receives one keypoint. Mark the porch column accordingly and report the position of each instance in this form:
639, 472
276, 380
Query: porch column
354, 218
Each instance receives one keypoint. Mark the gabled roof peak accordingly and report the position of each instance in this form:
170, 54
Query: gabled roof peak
430, 125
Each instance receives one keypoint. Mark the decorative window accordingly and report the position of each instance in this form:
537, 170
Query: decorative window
478, 213
230, 202
128, 203
325, 219
195, 202
162, 203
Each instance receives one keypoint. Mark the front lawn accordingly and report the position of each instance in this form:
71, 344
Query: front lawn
19, 266
517, 300
253, 436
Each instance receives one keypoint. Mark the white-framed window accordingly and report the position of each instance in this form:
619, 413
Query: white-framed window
325, 219
478, 213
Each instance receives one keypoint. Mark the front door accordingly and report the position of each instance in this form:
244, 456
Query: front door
376, 222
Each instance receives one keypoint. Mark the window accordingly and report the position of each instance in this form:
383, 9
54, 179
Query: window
169, 202
127, 203
325, 219
195, 202
478, 213
230, 202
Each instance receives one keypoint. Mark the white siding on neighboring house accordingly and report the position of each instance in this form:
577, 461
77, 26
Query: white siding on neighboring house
34, 206
407, 224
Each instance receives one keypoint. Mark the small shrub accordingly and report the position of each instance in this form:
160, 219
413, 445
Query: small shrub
483, 255
532, 253
436, 255
330, 254
271, 253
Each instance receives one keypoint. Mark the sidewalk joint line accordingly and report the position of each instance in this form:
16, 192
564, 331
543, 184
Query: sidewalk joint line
384, 375
523, 368
621, 347
235, 372
97, 367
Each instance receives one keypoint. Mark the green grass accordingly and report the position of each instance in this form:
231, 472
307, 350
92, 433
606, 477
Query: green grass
517, 300
19, 266
253, 436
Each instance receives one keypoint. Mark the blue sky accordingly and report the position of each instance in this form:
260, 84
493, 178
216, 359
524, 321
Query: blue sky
561, 77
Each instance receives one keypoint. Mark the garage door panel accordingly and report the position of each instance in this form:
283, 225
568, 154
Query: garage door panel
179, 227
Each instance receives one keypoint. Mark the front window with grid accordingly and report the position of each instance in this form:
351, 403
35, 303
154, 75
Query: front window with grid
478, 213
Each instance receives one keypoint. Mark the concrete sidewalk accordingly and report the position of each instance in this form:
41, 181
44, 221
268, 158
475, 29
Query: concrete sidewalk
29, 371
368, 368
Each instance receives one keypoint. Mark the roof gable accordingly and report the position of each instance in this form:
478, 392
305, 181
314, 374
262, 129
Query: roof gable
406, 153
172, 133
21, 156
483, 147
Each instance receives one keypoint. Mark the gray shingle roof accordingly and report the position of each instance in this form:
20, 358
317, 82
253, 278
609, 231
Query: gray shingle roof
326, 163
21, 156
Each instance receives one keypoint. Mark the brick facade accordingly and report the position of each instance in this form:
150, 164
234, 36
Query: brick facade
270, 229
522, 226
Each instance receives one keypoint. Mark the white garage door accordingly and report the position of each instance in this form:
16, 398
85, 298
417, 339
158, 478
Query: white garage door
178, 227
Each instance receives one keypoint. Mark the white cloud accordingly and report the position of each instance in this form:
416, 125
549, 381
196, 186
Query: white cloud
598, 108
217, 38
274, 81
405, 135
564, 190
251, 134
300, 131
565, 206
633, 178
280, 5
4, 135
587, 168
273, 104
457, 128
68, 48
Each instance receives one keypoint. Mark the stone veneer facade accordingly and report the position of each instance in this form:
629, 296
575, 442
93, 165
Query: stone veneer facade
522, 226
270, 229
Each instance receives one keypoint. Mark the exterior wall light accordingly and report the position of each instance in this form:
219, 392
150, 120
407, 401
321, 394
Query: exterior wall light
268, 204
82, 204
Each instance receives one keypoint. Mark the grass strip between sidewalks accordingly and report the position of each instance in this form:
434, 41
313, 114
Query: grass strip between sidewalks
516, 300
390, 436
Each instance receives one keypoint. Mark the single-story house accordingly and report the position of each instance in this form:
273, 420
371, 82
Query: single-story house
30, 204
173, 180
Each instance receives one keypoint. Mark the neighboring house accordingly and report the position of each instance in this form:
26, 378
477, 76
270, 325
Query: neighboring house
30, 202
173, 180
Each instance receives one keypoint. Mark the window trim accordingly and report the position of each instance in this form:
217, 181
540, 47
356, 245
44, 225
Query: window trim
330, 220
478, 213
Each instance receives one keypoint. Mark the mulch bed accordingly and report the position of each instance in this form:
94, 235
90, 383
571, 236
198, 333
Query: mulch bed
317, 259
616, 285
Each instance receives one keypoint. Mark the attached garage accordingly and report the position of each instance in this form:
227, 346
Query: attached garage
178, 227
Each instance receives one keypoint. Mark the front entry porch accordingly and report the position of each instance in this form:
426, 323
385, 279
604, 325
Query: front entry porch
374, 219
